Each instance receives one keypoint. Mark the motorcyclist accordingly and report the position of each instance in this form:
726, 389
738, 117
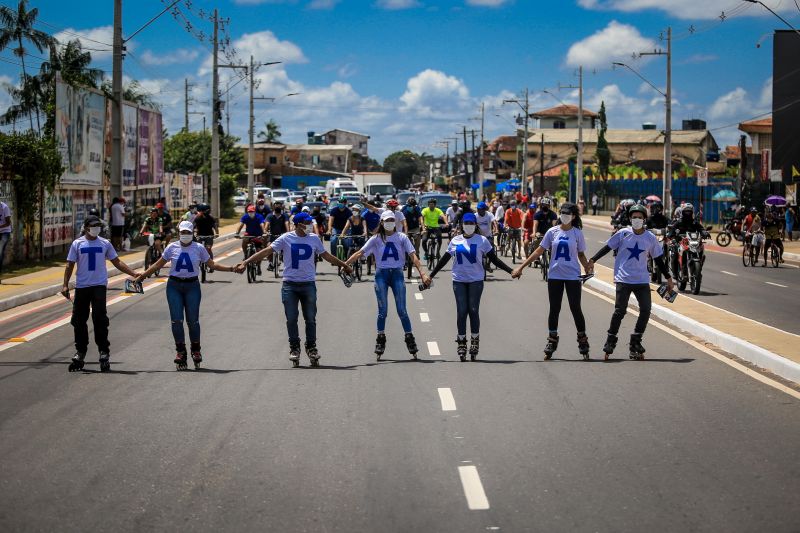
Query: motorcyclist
657, 220
679, 228
621, 219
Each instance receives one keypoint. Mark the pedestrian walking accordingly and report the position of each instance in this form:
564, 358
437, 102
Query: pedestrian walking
390, 247
299, 248
595, 201
5, 231
567, 247
790, 222
633, 245
469, 248
183, 290
87, 255
117, 222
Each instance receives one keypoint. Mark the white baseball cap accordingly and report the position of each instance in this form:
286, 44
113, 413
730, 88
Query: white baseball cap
388, 214
185, 226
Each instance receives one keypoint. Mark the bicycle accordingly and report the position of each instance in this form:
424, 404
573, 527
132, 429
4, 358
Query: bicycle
515, 237
774, 254
340, 251
208, 242
502, 242
254, 244
431, 248
544, 264
416, 237
152, 255
356, 243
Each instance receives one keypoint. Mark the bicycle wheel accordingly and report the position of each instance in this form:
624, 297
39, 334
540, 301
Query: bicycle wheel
746, 255
148, 260
202, 272
723, 238
753, 259
251, 273
774, 256
276, 265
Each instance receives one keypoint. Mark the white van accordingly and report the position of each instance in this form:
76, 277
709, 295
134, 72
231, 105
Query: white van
339, 186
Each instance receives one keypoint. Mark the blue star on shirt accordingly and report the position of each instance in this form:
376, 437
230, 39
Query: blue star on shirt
635, 251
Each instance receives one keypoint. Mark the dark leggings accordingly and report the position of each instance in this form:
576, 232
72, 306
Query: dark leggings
643, 297
555, 289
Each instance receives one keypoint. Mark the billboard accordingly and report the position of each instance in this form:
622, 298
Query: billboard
150, 150
130, 123
785, 105
80, 126
57, 223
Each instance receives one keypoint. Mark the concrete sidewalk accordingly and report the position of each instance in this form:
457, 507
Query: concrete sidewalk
19, 290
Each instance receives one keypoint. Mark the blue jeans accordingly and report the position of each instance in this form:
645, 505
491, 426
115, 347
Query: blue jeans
184, 298
468, 303
346, 242
384, 279
294, 294
4, 238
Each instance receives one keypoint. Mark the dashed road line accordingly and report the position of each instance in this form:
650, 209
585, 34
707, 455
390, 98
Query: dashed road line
473, 488
446, 397
433, 348
423, 317
776, 285
418, 296
728, 273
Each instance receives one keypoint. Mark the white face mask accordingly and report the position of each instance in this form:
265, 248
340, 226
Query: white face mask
94, 231
566, 218
637, 223
389, 226
186, 238
469, 229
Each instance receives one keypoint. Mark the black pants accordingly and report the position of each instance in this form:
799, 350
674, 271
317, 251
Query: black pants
642, 293
555, 290
94, 297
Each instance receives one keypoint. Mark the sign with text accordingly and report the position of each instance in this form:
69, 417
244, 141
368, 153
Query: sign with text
80, 127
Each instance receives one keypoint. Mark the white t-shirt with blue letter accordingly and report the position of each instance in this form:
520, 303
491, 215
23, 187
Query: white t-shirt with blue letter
185, 259
564, 248
630, 265
299, 255
468, 257
90, 256
389, 253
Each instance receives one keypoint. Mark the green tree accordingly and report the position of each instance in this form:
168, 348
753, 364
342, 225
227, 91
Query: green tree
271, 133
16, 27
133, 93
602, 153
404, 166
191, 152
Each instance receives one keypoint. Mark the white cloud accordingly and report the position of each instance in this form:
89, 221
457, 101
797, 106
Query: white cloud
487, 3
397, 4
688, 9
431, 92
181, 55
738, 105
615, 42
264, 46
99, 40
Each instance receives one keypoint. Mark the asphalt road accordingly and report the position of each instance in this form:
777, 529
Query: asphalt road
677, 442
768, 295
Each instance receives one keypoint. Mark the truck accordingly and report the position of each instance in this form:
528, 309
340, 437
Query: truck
372, 183
340, 185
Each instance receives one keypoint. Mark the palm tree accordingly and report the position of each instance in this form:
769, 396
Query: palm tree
133, 93
272, 133
16, 26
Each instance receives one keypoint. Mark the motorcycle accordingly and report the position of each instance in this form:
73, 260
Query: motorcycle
732, 229
655, 274
690, 252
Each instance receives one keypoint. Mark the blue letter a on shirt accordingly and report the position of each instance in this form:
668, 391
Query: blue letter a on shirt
300, 252
471, 255
390, 252
562, 249
184, 263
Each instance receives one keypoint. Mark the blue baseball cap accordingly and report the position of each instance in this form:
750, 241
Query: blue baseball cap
302, 218
482, 205
469, 217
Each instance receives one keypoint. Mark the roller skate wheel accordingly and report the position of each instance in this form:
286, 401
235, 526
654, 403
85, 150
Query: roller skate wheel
295, 363
315, 362
547, 356
197, 365
105, 366
605, 358
473, 357
463, 357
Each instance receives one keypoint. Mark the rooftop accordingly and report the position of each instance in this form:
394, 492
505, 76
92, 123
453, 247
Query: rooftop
763, 125
319, 147
570, 136
347, 131
504, 143
565, 110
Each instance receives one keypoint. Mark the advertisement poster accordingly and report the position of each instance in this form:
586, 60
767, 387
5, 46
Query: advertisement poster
82, 202
130, 123
150, 150
58, 219
144, 177
80, 129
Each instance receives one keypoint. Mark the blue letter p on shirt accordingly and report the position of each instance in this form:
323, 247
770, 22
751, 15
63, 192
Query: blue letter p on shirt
300, 252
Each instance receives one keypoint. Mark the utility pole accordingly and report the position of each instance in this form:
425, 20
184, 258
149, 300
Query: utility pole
480, 153
541, 166
667, 193
116, 104
228, 106
186, 104
216, 116
251, 151
525, 142
466, 165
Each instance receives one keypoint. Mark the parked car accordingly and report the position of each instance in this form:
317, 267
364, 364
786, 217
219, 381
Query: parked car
296, 196
314, 191
323, 207
240, 199
281, 195
402, 197
442, 200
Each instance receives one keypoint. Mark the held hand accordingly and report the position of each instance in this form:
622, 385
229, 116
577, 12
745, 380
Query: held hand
426, 280
517, 273
590, 267
65, 292
670, 285
138, 278
239, 268
347, 268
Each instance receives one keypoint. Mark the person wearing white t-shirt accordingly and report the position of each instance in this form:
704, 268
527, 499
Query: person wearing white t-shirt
5, 231
390, 248
88, 254
300, 249
183, 289
392, 206
117, 221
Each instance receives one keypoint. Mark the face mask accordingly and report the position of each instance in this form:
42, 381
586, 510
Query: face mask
389, 226
94, 231
301, 228
278, 209
186, 238
545, 209
566, 218
469, 229
637, 223
251, 215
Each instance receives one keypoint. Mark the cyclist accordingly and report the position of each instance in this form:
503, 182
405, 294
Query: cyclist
391, 205
452, 213
297, 207
166, 219
206, 229
183, 289
190, 214
277, 224
254, 224
89, 253
772, 233
433, 218
513, 219
544, 219
300, 248
390, 248
355, 227
567, 247
657, 219
469, 249
413, 216
631, 276
154, 225
261, 206
320, 220
487, 225
339, 215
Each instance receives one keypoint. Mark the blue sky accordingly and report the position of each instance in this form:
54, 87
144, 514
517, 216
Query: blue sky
410, 72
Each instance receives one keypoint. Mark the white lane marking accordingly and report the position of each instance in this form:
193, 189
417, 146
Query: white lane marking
423, 317
705, 349
473, 489
446, 397
601, 242
433, 348
728, 273
418, 296
776, 285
